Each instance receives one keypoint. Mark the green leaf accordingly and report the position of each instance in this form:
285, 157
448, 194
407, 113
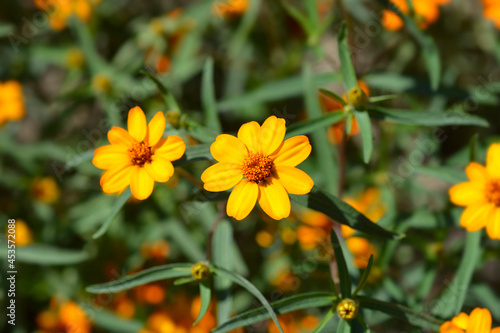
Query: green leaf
341, 212
329, 315
345, 278
110, 322
221, 247
208, 97
344, 326
383, 98
426, 118
473, 147
311, 300
240, 280
42, 254
346, 65
365, 128
312, 125
364, 277
446, 174
184, 280
333, 95
452, 299
5, 29
119, 203
152, 274
299, 16
167, 95
180, 235
205, 294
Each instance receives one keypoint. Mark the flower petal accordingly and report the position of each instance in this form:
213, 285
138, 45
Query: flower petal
274, 199
228, 148
467, 193
156, 127
271, 135
461, 320
293, 151
479, 321
449, 327
477, 172
475, 217
137, 126
221, 176
294, 181
242, 199
495, 330
109, 156
116, 179
249, 135
493, 160
171, 148
159, 169
493, 226
119, 136
141, 183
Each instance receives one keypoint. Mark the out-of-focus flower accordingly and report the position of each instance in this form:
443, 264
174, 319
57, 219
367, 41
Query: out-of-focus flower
296, 323
229, 8
426, 12
315, 231
61, 10
138, 157
150, 293
491, 11
124, 307
479, 321
11, 101
45, 189
23, 234
481, 195
75, 58
329, 104
260, 166
158, 250
64, 317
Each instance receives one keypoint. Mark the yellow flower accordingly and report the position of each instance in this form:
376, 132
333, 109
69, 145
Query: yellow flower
23, 234
260, 166
229, 8
138, 157
61, 10
479, 321
426, 13
481, 195
11, 101
45, 189
491, 11
65, 317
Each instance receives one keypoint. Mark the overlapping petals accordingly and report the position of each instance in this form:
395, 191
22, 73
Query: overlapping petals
479, 321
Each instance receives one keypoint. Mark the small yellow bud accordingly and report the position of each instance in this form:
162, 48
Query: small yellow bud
347, 309
173, 118
101, 83
357, 98
200, 271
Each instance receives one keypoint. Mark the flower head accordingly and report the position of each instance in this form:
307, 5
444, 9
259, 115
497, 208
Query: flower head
229, 8
260, 166
479, 321
347, 309
64, 317
481, 195
138, 157
11, 101
426, 12
60, 11
23, 233
45, 189
491, 11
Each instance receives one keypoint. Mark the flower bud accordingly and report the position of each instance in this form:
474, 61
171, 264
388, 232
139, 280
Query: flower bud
347, 309
200, 271
357, 98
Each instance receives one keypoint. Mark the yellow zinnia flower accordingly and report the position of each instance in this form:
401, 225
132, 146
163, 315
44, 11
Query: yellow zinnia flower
481, 195
479, 321
260, 166
138, 157
11, 101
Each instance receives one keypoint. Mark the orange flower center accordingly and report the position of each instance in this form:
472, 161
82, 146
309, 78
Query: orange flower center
493, 192
257, 167
140, 153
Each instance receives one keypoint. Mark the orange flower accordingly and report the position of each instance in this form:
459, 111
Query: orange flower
11, 101
260, 166
481, 195
61, 10
296, 323
491, 11
479, 321
65, 317
138, 157
45, 189
229, 8
426, 13
23, 234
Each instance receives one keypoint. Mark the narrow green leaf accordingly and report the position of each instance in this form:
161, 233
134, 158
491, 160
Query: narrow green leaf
184, 280
341, 212
383, 98
180, 235
87, 43
312, 125
221, 256
146, 276
42, 254
365, 128
333, 95
304, 21
345, 278
208, 97
110, 322
311, 300
6, 29
326, 319
205, 294
167, 95
344, 326
473, 148
364, 277
346, 65
119, 203
240, 280
446, 174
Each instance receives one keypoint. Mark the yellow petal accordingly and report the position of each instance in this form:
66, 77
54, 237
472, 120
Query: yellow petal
271, 135
292, 151
242, 199
294, 181
468, 193
159, 169
228, 148
477, 172
109, 156
116, 179
461, 321
221, 176
493, 226
493, 160
156, 127
273, 199
495, 330
479, 321
136, 123
249, 135
119, 136
171, 148
449, 327
141, 183
475, 217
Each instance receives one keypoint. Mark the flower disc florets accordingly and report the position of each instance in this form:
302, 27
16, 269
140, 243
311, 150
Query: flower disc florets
347, 309
257, 167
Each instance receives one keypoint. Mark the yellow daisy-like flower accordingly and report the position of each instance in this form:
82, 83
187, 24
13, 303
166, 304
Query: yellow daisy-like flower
481, 195
260, 166
479, 321
138, 157
11, 102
